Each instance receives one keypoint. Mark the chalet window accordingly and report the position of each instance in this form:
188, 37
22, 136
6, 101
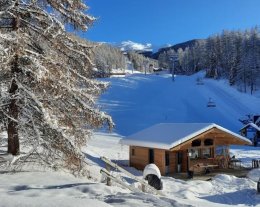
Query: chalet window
167, 159
208, 142
133, 152
222, 150
194, 153
196, 143
151, 156
206, 153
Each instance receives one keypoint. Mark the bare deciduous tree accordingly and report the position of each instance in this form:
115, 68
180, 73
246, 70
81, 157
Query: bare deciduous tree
47, 94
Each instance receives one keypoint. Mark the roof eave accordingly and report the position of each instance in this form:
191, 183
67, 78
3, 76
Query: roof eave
155, 145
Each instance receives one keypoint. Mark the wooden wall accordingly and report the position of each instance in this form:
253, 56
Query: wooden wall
173, 162
141, 158
159, 160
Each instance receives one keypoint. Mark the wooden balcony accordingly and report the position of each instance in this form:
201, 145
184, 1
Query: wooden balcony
238, 172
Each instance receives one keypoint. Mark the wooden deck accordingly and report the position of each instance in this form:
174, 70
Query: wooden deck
242, 172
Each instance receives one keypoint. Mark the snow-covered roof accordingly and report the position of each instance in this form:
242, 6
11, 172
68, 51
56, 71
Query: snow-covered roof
169, 135
251, 125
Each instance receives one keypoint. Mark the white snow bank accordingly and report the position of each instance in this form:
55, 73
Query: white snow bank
52, 189
50, 202
40, 189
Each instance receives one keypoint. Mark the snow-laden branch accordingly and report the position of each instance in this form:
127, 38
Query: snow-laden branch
74, 16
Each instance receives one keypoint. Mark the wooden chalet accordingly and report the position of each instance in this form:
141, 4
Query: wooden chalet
252, 132
179, 147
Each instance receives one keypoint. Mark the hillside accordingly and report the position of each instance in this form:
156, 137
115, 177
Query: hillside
175, 47
138, 101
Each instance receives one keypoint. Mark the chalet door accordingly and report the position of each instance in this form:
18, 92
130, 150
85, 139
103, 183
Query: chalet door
167, 162
151, 155
179, 161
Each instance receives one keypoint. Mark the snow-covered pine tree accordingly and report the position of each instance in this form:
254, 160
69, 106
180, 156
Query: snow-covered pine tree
47, 95
253, 58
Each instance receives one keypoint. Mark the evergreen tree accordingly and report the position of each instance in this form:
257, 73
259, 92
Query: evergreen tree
233, 55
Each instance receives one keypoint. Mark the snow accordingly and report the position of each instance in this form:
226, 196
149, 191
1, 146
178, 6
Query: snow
246, 154
169, 135
136, 102
151, 169
130, 46
139, 101
47, 189
252, 125
44, 189
254, 174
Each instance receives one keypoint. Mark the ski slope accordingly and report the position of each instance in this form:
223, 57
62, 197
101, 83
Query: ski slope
138, 101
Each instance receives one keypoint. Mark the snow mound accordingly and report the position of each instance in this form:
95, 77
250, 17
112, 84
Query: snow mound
151, 169
254, 174
224, 178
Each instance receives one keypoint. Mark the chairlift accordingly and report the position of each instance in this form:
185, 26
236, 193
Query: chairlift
211, 103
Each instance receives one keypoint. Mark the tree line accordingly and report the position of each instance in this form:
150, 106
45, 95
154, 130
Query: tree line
234, 55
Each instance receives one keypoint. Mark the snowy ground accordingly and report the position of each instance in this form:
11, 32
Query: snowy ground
51, 189
135, 102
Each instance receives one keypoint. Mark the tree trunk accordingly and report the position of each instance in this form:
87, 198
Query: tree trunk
12, 127
12, 130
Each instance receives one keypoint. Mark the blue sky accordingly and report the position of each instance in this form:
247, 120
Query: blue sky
168, 21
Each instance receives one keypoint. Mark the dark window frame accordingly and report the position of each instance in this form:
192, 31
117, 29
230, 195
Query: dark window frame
196, 143
167, 158
208, 142
133, 152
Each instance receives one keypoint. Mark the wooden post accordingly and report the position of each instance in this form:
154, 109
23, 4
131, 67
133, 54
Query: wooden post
254, 163
143, 187
108, 168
